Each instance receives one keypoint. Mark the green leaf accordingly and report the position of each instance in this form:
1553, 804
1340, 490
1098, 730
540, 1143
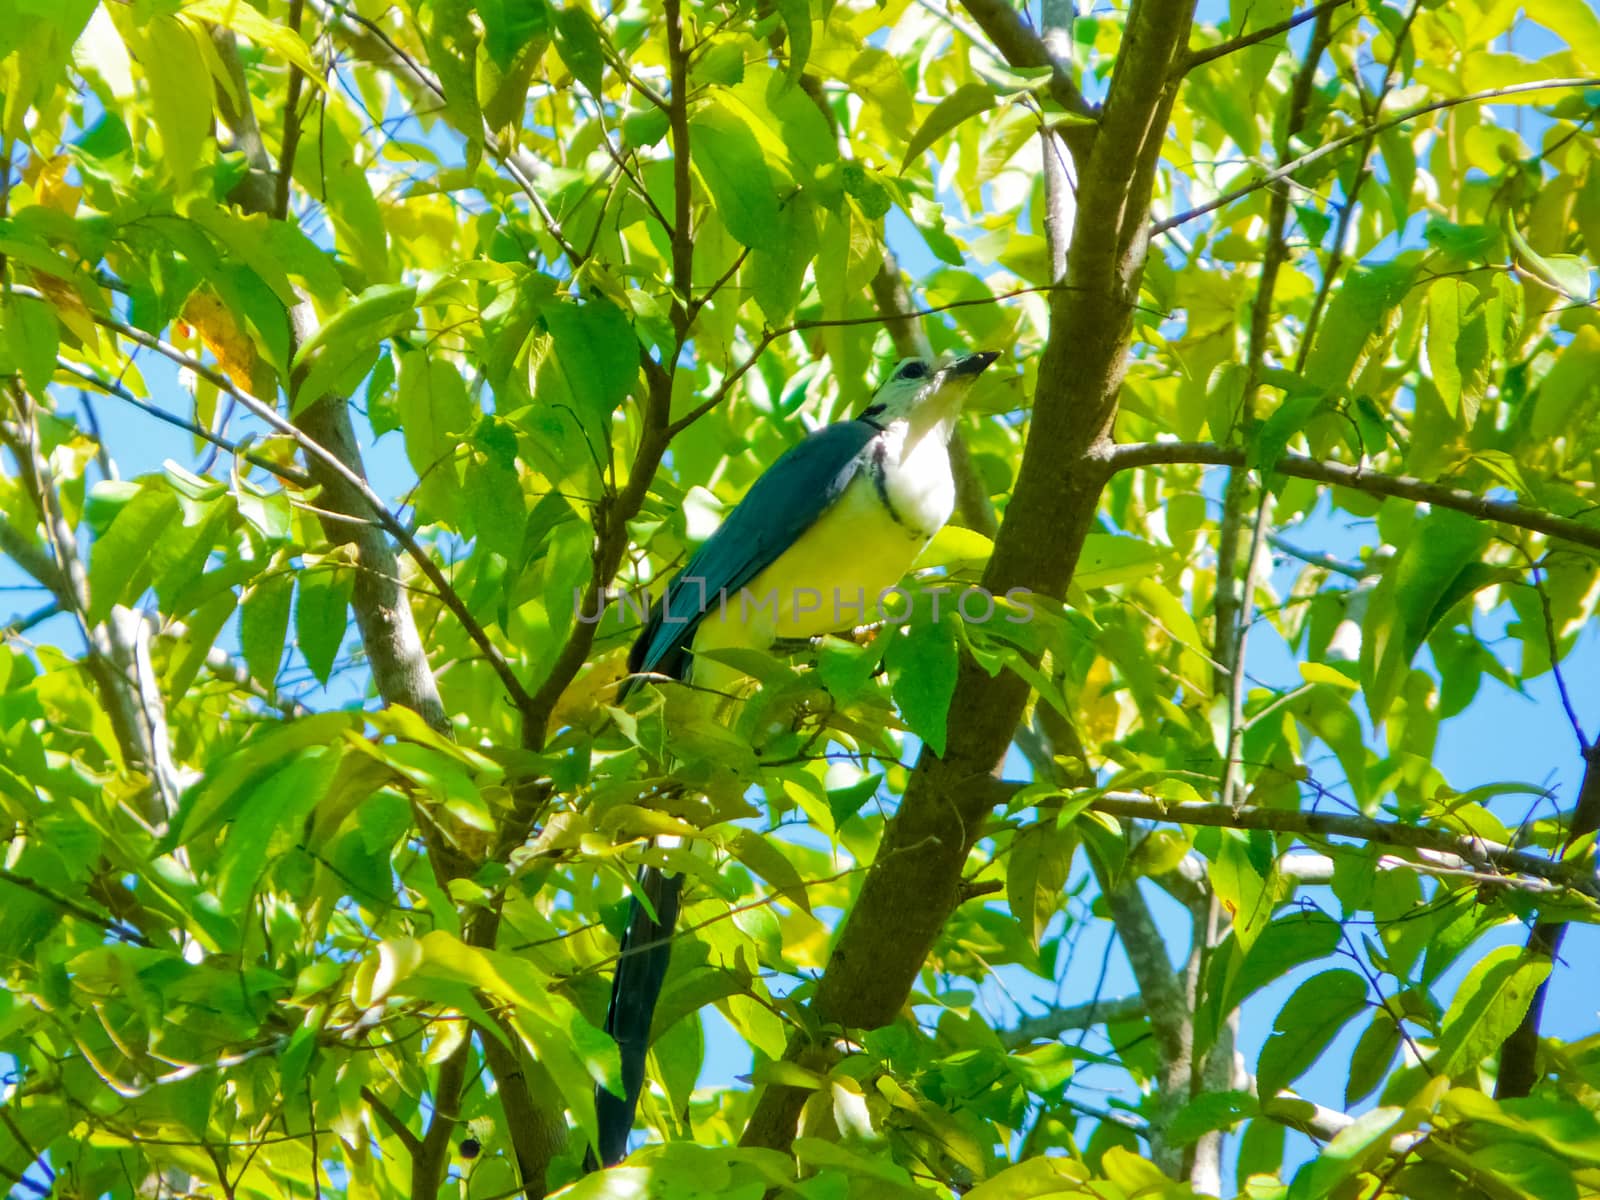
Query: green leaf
329, 167
268, 513
967, 101
1036, 875
107, 498
264, 624
1357, 316
1487, 1006
321, 616
778, 269
117, 560
200, 635
1530, 1170
1041, 1176
846, 802
1108, 559
1295, 938
178, 560
1561, 1123
1308, 1021
1246, 895
722, 62
597, 353
1354, 1148
228, 783
496, 511
578, 44
1416, 591
796, 16
435, 414
32, 338
335, 358
172, 63
275, 36
732, 164
1373, 1056
1209, 1112
644, 127
267, 823
923, 663
1448, 300
1271, 438
768, 861
1565, 273
1567, 393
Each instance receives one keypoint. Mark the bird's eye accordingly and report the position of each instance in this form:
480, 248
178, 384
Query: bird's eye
914, 370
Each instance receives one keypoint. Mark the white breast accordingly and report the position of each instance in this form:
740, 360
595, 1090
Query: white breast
917, 479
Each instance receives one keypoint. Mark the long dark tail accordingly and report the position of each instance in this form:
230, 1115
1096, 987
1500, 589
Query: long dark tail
635, 988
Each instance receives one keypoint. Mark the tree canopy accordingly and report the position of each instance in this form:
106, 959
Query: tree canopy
356, 355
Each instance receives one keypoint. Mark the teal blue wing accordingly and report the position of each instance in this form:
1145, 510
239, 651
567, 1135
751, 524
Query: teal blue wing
780, 506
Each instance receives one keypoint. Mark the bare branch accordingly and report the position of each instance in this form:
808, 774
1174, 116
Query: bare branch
1199, 58
432, 1154
1475, 852
111, 388
1048, 1026
1406, 487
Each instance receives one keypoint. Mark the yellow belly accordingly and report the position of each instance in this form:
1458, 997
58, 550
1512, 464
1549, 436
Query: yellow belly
829, 580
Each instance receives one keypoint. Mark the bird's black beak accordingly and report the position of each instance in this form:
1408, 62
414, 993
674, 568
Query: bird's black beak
972, 364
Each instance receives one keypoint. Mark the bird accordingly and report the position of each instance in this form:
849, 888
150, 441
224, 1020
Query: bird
836, 522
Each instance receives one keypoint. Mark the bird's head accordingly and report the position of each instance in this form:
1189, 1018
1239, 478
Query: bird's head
926, 392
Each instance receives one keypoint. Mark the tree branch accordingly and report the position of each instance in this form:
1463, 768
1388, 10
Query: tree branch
1022, 47
1406, 487
1338, 144
72, 908
1462, 849
678, 120
1164, 1000
111, 388
136, 710
1519, 1054
1200, 57
432, 1153
1046, 1027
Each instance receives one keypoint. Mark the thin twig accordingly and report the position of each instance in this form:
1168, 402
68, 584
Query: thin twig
1338, 144
1555, 658
112, 388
